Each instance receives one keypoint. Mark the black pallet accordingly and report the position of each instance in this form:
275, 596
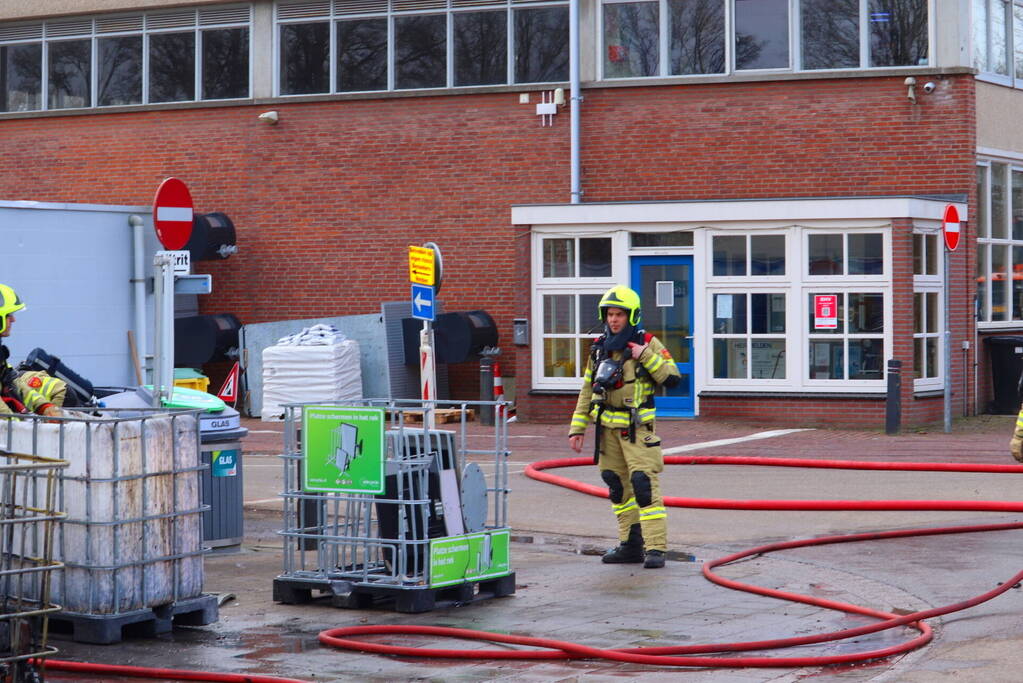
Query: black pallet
294, 591
104, 629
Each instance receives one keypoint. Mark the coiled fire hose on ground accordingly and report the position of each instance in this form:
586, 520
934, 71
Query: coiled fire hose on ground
689, 655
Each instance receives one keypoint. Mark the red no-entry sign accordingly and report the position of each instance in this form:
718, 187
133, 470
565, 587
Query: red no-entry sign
950, 227
172, 214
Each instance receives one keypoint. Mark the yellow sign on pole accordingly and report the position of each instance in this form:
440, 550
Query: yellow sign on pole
421, 269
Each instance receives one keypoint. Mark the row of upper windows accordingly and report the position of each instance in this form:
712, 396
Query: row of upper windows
998, 40
327, 46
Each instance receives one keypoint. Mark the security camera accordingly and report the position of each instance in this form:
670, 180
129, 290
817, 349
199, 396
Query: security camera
268, 117
929, 87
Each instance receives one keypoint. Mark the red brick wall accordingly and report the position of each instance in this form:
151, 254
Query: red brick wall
327, 201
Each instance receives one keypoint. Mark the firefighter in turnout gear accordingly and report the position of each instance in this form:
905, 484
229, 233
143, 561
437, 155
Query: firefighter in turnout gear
28, 392
624, 368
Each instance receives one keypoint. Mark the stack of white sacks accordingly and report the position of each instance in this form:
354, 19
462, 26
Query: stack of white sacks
318, 364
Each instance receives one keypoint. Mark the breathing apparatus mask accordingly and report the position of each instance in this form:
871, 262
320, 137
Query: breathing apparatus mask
608, 376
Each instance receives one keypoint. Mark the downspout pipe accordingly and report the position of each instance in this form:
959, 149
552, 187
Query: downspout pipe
575, 98
139, 282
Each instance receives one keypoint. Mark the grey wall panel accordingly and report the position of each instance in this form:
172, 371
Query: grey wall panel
381, 353
364, 329
72, 265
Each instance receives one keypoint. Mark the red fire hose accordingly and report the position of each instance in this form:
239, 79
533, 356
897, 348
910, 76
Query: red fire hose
672, 656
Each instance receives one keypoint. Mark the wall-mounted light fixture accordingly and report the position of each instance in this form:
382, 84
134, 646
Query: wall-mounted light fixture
269, 118
910, 84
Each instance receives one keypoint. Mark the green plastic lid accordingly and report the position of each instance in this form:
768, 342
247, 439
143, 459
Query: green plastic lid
193, 399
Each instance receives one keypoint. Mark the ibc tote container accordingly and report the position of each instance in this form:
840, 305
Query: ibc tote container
132, 538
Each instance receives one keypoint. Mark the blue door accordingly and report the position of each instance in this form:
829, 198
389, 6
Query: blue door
665, 287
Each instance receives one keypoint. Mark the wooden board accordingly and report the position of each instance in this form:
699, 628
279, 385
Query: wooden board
440, 416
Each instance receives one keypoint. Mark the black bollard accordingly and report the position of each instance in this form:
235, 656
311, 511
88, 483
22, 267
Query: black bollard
893, 403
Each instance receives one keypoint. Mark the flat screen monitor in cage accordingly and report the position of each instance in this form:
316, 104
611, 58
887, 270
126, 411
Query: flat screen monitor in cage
343, 449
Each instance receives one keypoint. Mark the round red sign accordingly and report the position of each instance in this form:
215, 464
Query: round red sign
950, 227
172, 214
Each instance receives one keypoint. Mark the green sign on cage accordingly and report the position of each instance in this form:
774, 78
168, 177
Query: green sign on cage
343, 449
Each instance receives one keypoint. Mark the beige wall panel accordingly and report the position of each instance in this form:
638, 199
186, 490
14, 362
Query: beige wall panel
999, 110
37, 9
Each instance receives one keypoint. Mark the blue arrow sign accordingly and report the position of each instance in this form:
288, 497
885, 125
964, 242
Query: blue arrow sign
422, 302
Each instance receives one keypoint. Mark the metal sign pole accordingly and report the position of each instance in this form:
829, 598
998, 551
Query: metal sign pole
163, 353
947, 344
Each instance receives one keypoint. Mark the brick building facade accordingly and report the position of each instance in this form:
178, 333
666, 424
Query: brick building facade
327, 200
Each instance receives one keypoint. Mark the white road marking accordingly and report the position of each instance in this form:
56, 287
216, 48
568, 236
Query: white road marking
727, 442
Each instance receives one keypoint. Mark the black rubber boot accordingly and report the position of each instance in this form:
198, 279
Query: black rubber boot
629, 551
654, 559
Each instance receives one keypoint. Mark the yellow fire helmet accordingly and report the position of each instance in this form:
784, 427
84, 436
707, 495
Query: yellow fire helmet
621, 297
9, 303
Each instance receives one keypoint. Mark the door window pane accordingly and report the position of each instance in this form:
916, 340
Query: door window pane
761, 34
594, 257
589, 316
171, 67
767, 255
999, 196
558, 313
120, 70
697, 39
1017, 283
730, 313
866, 313
662, 239
481, 48
70, 69
825, 254
812, 315
898, 32
730, 358
362, 55
767, 359
541, 45
729, 255
932, 312
305, 58
830, 34
827, 360
865, 358
420, 46
559, 258
631, 39
999, 277
21, 77
1017, 205
768, 314
982, 225
558, 357
225, 63
865, 254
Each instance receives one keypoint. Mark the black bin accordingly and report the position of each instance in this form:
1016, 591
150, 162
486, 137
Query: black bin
220, 436
1006, 353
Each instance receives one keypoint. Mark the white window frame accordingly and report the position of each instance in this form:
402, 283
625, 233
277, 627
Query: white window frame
542, 286
1011, 78
334, 14
986, 243
194, 20
930, 283
749, 336
795, 42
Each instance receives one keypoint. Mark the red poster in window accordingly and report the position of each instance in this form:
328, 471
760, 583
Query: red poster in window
825, 311
617, 53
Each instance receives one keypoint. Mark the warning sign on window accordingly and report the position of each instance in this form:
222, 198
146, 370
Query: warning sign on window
825, 311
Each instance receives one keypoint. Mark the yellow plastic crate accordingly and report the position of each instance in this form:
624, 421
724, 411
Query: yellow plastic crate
190, 379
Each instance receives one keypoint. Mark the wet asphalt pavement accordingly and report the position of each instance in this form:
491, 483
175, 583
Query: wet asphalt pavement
564, 592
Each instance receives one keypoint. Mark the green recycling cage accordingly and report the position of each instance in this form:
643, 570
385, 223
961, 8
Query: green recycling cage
380, 508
